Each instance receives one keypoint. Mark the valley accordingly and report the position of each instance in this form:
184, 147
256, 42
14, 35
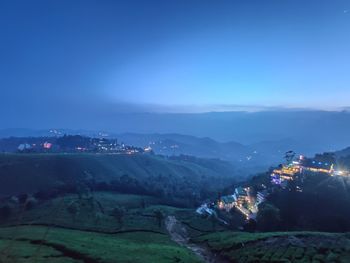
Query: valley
97, 204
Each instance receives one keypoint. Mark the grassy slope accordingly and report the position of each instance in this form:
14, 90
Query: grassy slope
23, 251
38, 171
55, 212
124, 247
138, 239
279, 246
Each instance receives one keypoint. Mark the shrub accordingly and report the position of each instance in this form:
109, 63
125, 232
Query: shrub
22, 198
5, 212
31, 202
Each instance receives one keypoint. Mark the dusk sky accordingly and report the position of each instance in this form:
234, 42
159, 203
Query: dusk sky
173, 55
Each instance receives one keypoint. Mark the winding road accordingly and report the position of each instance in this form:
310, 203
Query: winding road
179, 234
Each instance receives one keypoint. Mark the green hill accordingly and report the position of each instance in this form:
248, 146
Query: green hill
51, 232
27, 173
279, 246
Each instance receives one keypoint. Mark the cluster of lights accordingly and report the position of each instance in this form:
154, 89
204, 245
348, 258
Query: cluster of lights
320, 163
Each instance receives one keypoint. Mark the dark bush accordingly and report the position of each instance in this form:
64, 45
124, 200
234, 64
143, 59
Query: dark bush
22, 198
5, 212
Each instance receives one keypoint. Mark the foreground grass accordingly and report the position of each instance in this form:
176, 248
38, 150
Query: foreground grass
78, 246
279, 246
84, 237
139, 214
94, 215
24, 251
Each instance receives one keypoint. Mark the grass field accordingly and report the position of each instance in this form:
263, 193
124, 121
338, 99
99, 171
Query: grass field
49, 232
279, 246
35, 244
138, 239
94, 214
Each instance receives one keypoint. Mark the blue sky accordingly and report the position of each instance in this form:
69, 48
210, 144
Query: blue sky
193, 55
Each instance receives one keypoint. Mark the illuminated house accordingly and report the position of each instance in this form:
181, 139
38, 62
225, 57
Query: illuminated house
47, 145
24, 147
204, 210
286, 173
226, 202
276, 179
317, 166
240, 196
261, 196
320, 164
341, 173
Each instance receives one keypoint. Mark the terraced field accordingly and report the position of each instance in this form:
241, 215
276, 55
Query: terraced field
38, 244
279, 246
49, 232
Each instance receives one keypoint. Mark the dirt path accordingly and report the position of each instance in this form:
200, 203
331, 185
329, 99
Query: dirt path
179, 234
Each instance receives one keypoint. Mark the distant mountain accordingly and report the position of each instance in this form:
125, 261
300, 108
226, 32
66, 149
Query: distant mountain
343, 153
21, 132
249, 159
253, 140
307, 131
175, 144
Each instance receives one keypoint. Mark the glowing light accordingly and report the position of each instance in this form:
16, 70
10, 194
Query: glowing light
47, 145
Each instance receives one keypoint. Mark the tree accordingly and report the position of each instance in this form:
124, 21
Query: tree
118, 213
213, 220
250, 226
22, 198
98, 217
159, 216
31, 203
73, 209
289, 156
143, 203
5, 212
268, 217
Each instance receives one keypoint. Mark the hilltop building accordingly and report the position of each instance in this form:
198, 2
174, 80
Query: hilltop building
24, 147
205, 210
317, 166
247, 202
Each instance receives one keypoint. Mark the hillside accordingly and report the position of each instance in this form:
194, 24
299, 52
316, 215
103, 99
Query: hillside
32, 172
51, 231
279, 246
101, 226
249, 158
169, 144
311, 198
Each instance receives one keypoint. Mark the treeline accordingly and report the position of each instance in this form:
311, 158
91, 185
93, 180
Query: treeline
169, 192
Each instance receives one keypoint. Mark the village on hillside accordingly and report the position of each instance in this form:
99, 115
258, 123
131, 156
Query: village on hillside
70, 144
246, 200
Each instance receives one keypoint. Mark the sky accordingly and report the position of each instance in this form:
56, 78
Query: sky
72, 57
